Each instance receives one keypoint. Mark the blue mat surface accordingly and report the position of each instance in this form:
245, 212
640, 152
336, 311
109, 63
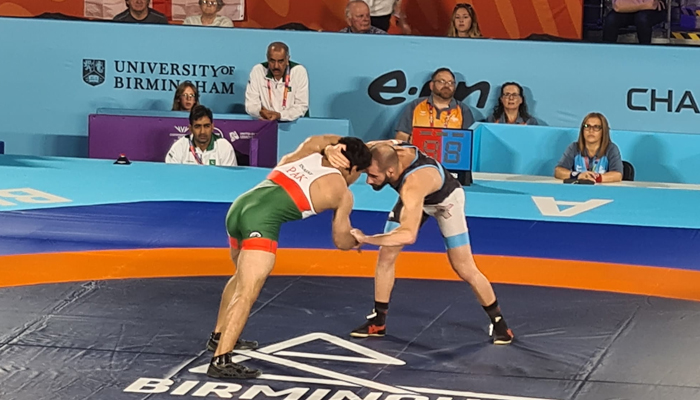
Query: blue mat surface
88, 182
98, 339
152, 225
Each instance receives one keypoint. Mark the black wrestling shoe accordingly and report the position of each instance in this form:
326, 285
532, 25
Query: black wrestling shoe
374, 327
241, 344
223, 368
500, 332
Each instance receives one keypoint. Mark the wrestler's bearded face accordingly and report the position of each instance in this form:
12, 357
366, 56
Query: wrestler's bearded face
376, 177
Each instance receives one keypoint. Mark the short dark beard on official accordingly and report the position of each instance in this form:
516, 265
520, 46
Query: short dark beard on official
444, 97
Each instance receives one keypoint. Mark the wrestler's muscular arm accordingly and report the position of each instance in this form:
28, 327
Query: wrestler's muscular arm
390, 142
417, 185
317, 144
341, 223
331, 192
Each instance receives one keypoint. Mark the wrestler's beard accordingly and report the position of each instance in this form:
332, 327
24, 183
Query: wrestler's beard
380, 187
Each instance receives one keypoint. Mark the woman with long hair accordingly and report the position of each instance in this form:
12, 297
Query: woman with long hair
464, 22
593, 157
186, 97
511, 107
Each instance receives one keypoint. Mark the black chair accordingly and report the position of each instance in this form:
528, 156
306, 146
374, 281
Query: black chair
627, 171
242, 159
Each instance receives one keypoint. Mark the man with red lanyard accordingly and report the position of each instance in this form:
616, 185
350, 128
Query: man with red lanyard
439, 110
277, 89
201, 146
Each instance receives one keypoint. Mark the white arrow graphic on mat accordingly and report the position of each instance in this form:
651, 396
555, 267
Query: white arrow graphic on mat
274, 354
271, 354
549, 207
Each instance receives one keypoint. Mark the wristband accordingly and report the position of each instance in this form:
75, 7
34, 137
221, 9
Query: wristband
574, 174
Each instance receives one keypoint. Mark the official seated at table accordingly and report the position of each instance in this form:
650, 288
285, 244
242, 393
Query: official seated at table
201, 146
594, 157
277, 89
511, 107
439, 110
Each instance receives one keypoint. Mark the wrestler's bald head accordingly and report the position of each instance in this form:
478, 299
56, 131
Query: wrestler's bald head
384, 156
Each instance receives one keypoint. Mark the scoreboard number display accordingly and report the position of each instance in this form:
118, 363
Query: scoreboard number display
451, 147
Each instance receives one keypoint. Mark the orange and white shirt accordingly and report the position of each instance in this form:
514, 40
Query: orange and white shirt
296, 178
422, 113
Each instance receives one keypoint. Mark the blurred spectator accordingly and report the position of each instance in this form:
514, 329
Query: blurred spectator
294, 26
186, 97
140, 12
277, 89
464, 22
401, 20
440, 109
201, 146
357, 16
594, 157
380, 12
209, 16
511, 107
643, 20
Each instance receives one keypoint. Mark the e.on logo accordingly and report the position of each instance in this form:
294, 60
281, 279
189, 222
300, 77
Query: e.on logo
382, 89
11, 197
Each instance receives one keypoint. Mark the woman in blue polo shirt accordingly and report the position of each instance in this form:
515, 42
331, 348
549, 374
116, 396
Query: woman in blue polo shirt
594, 156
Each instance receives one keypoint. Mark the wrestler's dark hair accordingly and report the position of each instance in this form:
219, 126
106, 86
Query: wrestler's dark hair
357, 152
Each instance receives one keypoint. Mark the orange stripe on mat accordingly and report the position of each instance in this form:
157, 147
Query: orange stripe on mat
158, 263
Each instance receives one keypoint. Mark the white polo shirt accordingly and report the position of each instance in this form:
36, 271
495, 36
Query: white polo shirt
219, 152
380, 8
264, 91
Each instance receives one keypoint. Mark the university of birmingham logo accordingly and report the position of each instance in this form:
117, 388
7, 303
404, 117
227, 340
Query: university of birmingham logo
93, 72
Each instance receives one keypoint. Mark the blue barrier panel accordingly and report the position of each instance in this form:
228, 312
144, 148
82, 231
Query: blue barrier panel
535, 150
71, 68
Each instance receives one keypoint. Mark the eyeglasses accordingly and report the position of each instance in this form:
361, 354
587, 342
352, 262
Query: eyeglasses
444, 82
187, 95
463, 5
208, 3
510, 95
595, 128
